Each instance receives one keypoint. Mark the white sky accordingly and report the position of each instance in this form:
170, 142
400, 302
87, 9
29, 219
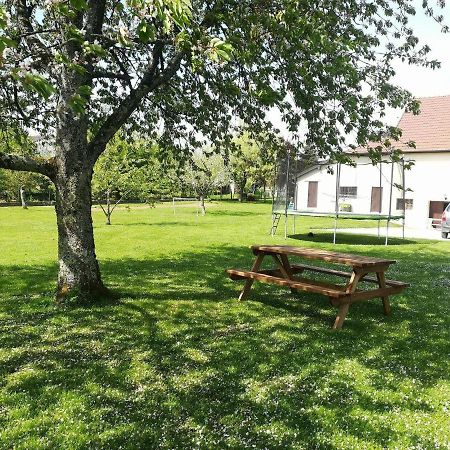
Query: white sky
421, 82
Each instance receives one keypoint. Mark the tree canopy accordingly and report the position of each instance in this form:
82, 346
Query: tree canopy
325, 64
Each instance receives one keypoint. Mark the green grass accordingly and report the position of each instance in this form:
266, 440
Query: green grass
177, 362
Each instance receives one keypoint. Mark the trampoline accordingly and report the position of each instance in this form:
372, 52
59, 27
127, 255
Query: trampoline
289, 170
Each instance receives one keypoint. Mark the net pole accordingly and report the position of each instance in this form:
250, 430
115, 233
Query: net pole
404, 197
286, 203
173, 204
274, 193
285, 226
381, 197
390, 203
336, 204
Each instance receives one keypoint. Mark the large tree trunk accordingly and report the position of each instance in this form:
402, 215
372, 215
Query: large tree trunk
79, 273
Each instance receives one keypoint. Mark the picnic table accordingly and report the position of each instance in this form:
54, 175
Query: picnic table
364, 269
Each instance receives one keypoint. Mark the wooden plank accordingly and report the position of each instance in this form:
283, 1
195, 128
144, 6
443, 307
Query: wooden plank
296, 268
281, 267
323, 255
353, 282
317, 287
385, 300
302, 267
373, 293
342, 312
249, 281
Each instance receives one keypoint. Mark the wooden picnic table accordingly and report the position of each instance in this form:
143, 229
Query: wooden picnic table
364, 269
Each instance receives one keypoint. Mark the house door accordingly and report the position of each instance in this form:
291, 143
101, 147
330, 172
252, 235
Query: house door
312, 194
375, 201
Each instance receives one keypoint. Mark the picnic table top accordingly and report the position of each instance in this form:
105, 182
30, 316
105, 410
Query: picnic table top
324, 255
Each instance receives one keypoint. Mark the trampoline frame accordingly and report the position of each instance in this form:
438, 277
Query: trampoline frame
336, 214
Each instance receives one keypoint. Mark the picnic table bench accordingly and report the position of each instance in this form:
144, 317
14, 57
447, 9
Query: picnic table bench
364, 269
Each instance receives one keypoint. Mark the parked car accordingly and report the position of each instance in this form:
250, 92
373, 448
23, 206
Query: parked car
445, 231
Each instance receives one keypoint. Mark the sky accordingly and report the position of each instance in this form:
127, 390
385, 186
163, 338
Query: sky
421, 82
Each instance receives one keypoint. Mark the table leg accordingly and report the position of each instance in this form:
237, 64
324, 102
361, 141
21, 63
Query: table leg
249, 281
342, 312
344, 307
285, 269
382, 284
353, 282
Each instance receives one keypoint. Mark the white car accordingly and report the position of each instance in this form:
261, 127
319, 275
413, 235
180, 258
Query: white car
445, 231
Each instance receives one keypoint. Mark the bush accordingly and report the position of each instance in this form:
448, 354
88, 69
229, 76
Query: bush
345, 207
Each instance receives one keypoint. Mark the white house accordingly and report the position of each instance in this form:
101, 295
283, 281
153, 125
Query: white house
365, 189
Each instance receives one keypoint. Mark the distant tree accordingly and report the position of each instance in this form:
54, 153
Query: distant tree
14, 186
204, 174
132, 169
118, 173
253, 164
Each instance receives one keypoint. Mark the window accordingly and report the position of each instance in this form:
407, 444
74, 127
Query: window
348, 191
408, 203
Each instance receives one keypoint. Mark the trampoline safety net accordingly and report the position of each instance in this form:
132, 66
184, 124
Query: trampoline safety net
288, 167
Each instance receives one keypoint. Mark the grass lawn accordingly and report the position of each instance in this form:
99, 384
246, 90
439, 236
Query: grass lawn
177, 362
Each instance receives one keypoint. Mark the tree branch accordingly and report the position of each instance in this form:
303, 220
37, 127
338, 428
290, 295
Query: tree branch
118, 76
25, 163
148, 83
95, 18
24, 12
122, 67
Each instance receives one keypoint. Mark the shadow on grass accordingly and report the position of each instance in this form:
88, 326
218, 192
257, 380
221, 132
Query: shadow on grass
178, 362
150, 224
215, 212
349, 238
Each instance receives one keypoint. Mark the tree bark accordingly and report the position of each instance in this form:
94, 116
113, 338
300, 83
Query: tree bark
22, 197
108, 207
79, 274
202, 205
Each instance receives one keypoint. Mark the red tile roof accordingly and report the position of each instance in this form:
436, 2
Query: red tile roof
430, 129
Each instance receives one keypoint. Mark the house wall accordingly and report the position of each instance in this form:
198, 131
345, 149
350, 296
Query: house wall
428, 179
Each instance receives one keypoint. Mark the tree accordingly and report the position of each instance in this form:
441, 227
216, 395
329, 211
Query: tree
132, 169
204, 174
82, 69
118, 173
242, 162
14, 186
253, 163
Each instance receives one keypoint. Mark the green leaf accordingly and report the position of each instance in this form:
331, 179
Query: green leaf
38, 84
6, 42
146, 32
79, 4
78, 103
